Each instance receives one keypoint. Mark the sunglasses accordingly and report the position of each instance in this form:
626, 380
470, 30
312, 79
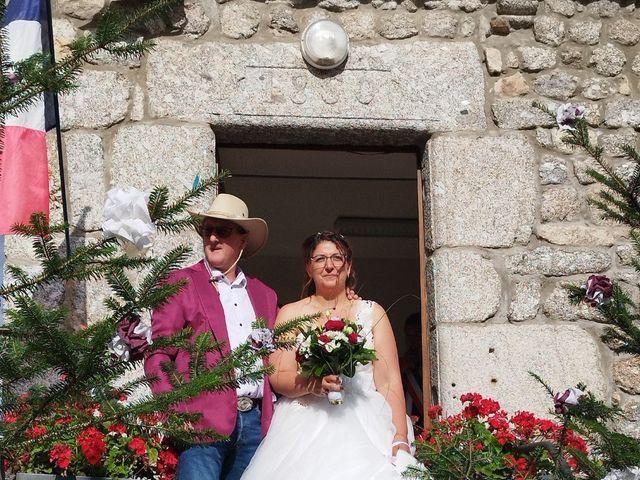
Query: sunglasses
220, 231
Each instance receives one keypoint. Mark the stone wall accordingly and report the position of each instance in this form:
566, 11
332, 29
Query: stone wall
507, 217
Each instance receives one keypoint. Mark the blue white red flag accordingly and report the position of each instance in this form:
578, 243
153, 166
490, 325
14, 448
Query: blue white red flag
24, 172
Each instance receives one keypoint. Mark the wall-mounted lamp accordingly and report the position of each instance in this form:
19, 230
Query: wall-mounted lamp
324, 44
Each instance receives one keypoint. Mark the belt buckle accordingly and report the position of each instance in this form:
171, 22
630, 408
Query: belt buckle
245, 404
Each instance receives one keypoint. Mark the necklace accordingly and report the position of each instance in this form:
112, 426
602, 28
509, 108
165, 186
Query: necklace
325, 307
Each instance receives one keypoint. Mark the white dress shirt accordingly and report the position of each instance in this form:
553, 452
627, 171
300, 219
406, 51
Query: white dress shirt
239, 317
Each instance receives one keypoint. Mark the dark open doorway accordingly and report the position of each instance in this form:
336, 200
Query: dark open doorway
368, 195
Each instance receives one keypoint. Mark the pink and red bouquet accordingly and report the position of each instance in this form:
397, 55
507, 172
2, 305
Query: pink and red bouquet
335, 348
72, 440
483, 441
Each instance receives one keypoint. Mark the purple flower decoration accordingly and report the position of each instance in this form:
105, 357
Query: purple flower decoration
570, 397
598, 290
567, 114
132, 340
12, 77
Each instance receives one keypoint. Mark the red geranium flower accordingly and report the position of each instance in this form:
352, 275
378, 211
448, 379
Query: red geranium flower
35, 432
434, 411
166, 466
117, 428
168, 457
60, 455
138, 446
92, 444
10, 417
334, 324
63, 421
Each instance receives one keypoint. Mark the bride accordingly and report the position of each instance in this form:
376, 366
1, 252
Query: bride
309, 438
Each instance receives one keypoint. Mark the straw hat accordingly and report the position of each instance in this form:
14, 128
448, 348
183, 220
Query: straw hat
230, 207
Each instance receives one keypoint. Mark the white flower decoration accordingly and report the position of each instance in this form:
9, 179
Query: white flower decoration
127, 218
567, 114
261, 338
629, 473
121, 349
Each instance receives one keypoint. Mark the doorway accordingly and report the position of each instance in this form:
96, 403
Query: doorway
368, 195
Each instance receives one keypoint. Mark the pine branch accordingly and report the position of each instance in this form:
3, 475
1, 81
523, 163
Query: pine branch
37, 74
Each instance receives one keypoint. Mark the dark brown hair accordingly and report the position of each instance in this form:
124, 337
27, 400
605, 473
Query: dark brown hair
310, 244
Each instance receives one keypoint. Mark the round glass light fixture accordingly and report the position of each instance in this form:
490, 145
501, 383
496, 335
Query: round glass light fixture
324, 44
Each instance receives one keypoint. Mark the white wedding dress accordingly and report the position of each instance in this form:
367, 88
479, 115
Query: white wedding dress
309, 439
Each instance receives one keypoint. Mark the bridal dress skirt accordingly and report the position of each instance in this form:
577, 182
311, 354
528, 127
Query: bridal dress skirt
309, 439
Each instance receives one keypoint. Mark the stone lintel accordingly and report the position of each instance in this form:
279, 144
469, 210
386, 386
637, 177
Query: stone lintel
382, 89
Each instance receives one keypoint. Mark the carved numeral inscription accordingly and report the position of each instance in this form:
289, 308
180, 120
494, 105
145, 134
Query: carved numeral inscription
298, 86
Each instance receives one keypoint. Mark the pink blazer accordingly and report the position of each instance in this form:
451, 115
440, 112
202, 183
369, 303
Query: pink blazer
198, 306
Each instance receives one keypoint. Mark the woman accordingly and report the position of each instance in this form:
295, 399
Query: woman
309, 438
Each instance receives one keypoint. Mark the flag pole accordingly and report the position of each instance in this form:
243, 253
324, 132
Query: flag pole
56, 113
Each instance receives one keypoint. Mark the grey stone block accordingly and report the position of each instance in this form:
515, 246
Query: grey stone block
398, 25
548, 29
535, 59
101, 100
612, 143
563, 7
597, 88
603, 8
517, 7
622, 112
145, 156
440, 24
585, 32
525, 300
560, 204
552, 171
558, 307
359, 25
469, 173
557, 262
608, 60
457, 274
494, 360
625, 32
557, 84
85, 178
240, 20
579, 234
626, 374
519, 113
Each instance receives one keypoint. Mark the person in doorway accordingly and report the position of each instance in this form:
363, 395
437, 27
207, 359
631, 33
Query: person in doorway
411, 368
219, 298
309, 438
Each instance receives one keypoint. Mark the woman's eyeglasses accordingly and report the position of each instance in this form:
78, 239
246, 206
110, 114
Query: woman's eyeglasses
319, 261
220, 231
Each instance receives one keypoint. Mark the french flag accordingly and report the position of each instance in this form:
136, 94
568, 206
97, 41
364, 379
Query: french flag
24, 172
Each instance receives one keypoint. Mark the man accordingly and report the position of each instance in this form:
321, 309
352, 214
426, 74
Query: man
221, 299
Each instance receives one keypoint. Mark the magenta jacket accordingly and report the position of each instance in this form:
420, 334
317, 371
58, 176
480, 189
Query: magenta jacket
198, 306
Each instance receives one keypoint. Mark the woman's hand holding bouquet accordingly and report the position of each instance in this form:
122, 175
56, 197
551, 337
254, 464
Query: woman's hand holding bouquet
335, 348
